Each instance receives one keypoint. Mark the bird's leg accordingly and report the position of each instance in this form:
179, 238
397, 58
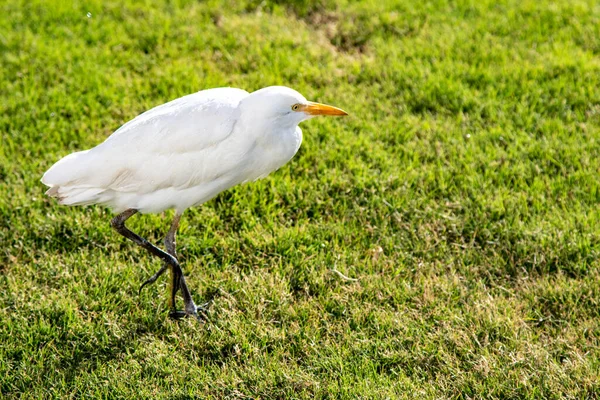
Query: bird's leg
118, 223
178, 280
175, 283
170, 246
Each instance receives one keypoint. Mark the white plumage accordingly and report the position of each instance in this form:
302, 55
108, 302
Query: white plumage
181, 154
184, 152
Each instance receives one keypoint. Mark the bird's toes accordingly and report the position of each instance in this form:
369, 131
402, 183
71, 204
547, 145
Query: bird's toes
197, 312
153, 278
177, 314
204, 307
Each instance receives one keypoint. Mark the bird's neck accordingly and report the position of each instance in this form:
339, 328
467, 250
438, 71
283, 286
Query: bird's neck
284, 140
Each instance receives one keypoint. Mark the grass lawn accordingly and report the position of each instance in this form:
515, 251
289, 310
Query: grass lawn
460, 198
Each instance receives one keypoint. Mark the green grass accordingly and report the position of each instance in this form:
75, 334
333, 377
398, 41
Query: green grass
461, 195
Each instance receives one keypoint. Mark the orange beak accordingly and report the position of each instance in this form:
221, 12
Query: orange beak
321, 109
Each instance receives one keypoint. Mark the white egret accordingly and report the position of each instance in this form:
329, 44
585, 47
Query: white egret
181, 154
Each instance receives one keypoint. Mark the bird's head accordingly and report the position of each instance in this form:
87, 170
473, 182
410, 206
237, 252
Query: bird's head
285, 105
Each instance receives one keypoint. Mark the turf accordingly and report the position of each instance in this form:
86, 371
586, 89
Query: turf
442, 242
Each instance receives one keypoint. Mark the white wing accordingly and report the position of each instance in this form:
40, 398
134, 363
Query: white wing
161, 148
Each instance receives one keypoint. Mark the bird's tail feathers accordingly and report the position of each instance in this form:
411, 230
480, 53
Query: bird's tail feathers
67, 182
67, 170
75, 196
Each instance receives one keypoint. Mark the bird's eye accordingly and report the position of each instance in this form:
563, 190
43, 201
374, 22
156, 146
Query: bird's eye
295, 107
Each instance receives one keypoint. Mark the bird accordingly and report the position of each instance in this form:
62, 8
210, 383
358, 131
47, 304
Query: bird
181, 154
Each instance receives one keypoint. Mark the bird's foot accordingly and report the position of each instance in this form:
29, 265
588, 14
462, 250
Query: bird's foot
192, 310
154, 277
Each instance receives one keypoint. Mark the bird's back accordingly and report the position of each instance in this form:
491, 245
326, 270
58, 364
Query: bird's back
154, 158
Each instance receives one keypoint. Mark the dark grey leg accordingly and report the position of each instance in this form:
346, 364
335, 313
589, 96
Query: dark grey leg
170, 246
177, 281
